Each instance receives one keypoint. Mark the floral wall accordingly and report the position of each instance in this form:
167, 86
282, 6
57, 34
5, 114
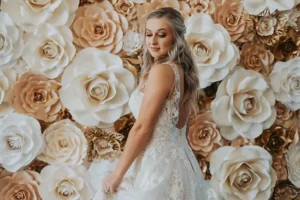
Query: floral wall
68, 67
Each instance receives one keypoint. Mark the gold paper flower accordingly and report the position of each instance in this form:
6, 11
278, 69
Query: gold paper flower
37, 96
289, 46
202, 6
100, 26
126, 8
241, 141
203, 135
270, 29
255, 57
20, 185
279, 165
37, 166
103, 144
204, 165
276, 140
230, 14
285, 190
124, 125
284, 115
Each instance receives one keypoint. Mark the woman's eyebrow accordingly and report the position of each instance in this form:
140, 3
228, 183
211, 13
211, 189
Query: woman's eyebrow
162, 29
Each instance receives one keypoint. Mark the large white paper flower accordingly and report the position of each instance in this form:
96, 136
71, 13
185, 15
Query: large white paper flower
21, 141
214, 53
293, 164
257, 6
30, 13
11, 42
48, 50
243, 173
285, 82
64, 144
8, 78
244, 105
64, 183
96, 87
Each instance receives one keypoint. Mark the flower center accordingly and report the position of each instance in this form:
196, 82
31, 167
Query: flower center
63, 143
14, 143
288, 46
248, 104
20, 195
38, 96
124, 7
275, 142
295, 84
244, 179
100, 92
66, 189
50, 50
232, 18
204, 134
201, 49
2, 41
98, 29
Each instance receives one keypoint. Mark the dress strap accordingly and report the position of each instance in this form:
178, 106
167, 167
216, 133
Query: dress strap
174, 96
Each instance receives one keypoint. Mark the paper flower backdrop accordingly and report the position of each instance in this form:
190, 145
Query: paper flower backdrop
68, 68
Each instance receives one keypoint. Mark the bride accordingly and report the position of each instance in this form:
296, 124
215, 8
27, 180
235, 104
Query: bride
157, 162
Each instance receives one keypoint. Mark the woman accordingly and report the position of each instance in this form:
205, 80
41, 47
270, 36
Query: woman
157, 163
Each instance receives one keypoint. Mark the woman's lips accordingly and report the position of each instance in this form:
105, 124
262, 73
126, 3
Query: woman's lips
154, 49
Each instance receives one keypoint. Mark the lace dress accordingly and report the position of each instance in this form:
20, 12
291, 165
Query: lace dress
167, 169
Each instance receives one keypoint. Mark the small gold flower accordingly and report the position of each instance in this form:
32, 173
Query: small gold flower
37, 166
124, 125
126, 8
204, 166
279, 165
276, 140
241, 141
103, 144
285, 190
284, 115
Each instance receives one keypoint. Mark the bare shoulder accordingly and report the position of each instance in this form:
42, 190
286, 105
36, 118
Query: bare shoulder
163, 73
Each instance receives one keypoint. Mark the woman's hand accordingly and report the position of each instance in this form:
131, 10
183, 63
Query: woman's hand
111, 183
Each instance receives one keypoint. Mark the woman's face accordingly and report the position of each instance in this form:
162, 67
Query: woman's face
159, 37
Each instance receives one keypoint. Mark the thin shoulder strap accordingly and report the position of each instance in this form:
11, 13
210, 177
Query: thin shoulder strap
176, 85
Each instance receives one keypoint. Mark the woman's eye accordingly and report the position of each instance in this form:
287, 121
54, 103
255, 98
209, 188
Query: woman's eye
148, 35
162, 36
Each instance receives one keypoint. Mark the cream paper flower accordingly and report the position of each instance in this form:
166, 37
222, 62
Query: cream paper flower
21, 141
133, 41
49, 49
64, 144
20, 185
243, 173
293, 164
11, 41
31, 13
100, 26
96, 94
8, 78
64, 183
285, 82
257, 6
266, 26
214, 54
244, 105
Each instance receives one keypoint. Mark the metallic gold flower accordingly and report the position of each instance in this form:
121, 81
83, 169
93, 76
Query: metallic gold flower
37, 166
124, 125
276, 140
289, 46
284, 115
256, 57
103, 144
204, 166
279, 165
285, 190
202, 6
241, 141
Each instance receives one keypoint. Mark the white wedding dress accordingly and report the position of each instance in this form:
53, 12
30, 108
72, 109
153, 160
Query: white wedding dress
167, 169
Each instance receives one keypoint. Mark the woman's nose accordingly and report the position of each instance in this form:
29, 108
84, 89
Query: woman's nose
153, 40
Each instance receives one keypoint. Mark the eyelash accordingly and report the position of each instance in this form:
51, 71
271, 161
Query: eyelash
161, 36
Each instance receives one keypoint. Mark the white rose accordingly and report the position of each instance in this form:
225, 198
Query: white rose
243, 173
64, 183
30, 13
21, 141
214, 53
285, 82
266, 26
293, 164
96, 88
244, 105
8, 78
11, 42
48, 50
257, 6
132, 41
64, 144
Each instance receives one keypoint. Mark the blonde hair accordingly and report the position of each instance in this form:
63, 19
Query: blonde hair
179, 54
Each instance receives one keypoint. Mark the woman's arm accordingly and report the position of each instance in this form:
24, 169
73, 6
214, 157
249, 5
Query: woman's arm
160, 81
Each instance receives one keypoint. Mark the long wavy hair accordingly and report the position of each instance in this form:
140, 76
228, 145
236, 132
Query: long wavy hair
179, 54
